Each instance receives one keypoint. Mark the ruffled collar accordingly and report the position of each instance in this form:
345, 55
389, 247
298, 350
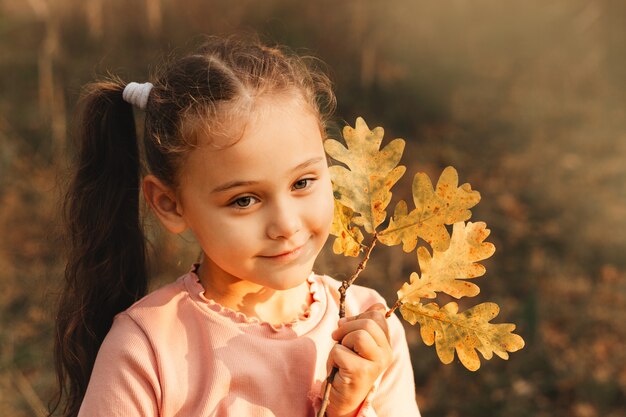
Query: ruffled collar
300, 325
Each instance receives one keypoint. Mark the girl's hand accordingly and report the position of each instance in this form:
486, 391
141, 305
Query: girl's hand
362, 354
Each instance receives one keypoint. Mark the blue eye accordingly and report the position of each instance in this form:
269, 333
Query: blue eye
243, 202
303, 183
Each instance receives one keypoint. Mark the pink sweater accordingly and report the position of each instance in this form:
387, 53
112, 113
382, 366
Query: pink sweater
176, 353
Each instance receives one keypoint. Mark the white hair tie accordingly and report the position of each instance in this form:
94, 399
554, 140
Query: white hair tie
137, 94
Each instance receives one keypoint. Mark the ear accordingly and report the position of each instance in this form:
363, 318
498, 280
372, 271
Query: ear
164, 203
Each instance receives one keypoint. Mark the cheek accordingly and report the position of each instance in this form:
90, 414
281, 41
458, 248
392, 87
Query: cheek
222, 235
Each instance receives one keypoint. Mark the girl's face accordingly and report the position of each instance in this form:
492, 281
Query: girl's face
261, 209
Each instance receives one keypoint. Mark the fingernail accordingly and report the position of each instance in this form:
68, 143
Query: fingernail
341, 321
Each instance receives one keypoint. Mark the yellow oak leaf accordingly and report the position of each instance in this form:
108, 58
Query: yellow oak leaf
446, 271
465, 332
447, 204
348, 240
365, 185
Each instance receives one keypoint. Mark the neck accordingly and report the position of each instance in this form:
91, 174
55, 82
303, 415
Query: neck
254, 300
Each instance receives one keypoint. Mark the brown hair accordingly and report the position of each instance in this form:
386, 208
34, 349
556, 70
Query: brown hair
106, 269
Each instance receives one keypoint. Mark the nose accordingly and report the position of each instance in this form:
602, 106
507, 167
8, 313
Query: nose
283, 220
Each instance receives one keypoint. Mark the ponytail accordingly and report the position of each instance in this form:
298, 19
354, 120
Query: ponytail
106, 267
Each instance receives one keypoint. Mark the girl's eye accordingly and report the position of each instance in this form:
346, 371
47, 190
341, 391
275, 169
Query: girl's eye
303, 183
243, 202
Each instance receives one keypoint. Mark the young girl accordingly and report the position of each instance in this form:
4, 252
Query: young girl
233, 145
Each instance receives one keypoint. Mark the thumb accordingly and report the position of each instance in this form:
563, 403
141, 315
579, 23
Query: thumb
374, 308
377, 307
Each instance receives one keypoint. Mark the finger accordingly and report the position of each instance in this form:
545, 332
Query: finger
344, 358
363, 344
333, 361
374, 307
371, 326
377, 307
378, 315
375, 312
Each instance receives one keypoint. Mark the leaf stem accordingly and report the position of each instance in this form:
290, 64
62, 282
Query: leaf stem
342, 313
393, 308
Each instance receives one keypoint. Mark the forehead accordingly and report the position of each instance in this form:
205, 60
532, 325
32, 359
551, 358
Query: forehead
279, 134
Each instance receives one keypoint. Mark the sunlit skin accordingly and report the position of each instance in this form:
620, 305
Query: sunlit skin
261, 210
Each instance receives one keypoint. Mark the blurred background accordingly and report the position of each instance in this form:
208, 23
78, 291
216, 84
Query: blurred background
527, 99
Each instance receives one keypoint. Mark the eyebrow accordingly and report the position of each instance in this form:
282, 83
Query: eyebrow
238, 183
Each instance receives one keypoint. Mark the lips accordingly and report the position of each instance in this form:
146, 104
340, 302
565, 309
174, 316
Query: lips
287, 253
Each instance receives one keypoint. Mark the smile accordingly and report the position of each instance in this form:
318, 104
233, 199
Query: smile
287, 255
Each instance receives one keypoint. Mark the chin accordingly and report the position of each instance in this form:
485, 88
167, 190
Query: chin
288, 280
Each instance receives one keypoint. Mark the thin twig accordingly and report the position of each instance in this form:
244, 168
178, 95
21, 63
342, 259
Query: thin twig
326, 398
342, 313
393, 308
346, 284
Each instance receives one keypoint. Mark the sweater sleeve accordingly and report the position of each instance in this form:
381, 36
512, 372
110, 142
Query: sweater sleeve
394, 393
124, 381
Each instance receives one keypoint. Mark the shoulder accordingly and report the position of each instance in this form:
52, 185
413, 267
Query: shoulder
156, 326
158, 311
166, 294
166, 297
